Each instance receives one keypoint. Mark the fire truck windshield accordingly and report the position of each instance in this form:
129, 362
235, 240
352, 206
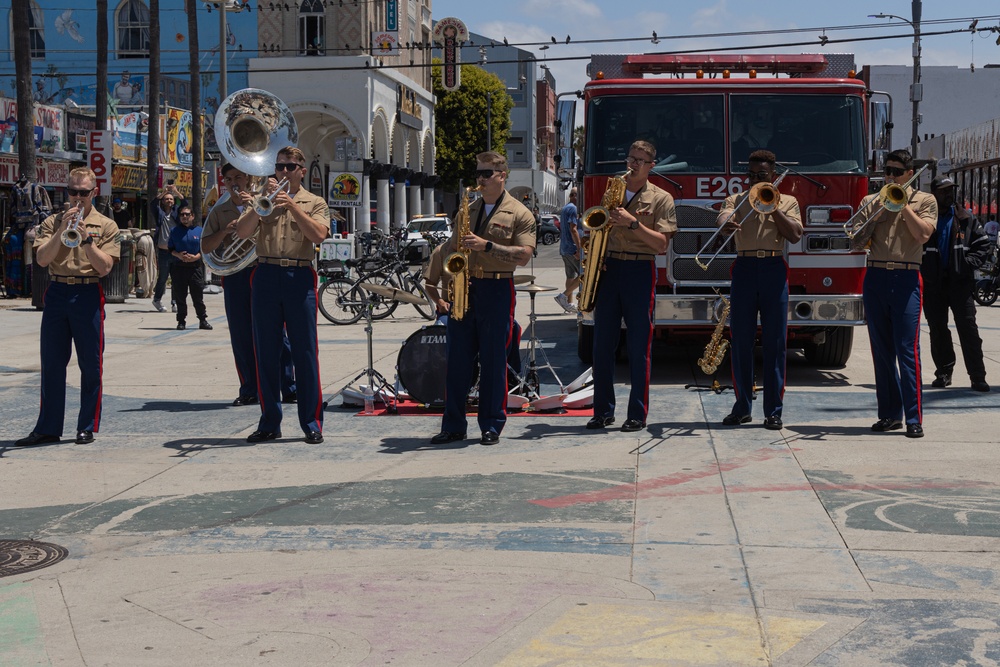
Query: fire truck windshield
817, 133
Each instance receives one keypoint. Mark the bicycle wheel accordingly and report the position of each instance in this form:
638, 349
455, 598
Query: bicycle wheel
411, 283
337, 303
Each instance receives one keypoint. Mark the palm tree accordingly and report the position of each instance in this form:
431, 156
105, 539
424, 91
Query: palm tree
153, 99
25, 103
197, 118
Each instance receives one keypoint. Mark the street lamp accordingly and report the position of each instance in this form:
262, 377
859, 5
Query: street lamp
916, 89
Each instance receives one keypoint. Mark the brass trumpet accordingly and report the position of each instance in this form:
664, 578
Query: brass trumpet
892, 197
763, 198
72, 236
263, 205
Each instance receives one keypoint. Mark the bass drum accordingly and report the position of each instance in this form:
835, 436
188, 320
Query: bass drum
422, 365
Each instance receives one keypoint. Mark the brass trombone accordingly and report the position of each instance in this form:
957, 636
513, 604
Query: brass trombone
763, 197
892, 197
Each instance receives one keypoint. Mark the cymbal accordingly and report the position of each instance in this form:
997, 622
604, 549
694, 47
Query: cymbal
391, 293
524, 278
535, 288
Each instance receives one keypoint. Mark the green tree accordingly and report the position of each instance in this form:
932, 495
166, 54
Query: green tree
460, 123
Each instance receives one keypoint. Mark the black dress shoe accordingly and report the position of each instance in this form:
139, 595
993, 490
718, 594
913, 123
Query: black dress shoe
733, 419
181, 326
633, 425
444, 437
980, 385
914, 431
772, 423
84, 437
292, 397
263, 436
36, 439
489, 438
203, 324
314, 437
245, 400
600, 422
942, 381
883, 425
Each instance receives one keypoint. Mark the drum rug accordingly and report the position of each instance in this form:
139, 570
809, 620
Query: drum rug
410, 409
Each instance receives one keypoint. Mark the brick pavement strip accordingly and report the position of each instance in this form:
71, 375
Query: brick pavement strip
687, 543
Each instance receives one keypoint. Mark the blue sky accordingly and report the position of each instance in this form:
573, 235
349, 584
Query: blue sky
525, 21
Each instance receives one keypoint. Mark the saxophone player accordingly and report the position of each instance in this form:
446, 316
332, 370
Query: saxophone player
759, 284
641, 229
501, 237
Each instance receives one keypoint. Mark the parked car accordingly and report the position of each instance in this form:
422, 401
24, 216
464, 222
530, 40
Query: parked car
547, 232
424, 233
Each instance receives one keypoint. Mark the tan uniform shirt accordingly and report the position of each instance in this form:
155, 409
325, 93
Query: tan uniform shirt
73, 261
511, 224
653, 207
760, 232
278, 235
892, 241
220, 216
435, 272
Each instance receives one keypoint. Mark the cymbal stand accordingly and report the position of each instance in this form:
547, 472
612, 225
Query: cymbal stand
530, 383
377, 383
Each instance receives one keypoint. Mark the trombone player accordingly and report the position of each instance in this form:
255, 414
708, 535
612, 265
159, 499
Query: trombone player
759, 285
892, 293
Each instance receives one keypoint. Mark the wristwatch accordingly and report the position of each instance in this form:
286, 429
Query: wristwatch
87, 240
634, 224
489, 246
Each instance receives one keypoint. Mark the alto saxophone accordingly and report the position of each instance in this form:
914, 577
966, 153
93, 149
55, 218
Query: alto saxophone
456, 264
595, 220
715, 351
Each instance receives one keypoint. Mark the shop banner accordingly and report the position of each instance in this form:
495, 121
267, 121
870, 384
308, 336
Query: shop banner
48, 173
345, 188
177, 131
131, 136
99, 151
49, 122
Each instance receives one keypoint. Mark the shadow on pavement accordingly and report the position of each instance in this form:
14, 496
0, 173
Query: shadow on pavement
178, 406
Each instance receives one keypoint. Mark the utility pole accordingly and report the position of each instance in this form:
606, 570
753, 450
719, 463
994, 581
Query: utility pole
917, 89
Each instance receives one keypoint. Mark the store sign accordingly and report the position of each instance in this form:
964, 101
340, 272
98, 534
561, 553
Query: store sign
391, 15
99, 151
407, 107
345, 189
385, 43
450, 32
54, 174
125, 177
48, 128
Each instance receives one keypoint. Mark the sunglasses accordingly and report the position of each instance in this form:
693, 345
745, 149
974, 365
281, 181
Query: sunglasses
637, 160
186, 214
73, 192
287, 166
894, 171
485, 173
761, 175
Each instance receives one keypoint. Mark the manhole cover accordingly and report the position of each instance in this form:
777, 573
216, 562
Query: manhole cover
19, 556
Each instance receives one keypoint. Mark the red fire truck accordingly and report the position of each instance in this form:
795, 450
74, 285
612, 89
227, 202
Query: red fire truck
706, 114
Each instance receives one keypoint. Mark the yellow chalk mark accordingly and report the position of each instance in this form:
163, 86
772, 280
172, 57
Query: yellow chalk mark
605, 634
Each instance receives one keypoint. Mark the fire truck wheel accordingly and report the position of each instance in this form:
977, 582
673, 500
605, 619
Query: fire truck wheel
835, 351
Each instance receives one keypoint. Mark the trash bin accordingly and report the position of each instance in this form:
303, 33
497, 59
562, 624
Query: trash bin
116, 283
39, 283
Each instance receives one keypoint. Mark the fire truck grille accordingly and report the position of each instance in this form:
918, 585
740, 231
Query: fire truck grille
685, 270
690, 241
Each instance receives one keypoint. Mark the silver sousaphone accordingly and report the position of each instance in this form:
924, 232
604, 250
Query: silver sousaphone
251, 126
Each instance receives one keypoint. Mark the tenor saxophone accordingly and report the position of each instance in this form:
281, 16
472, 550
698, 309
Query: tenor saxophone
715, 351
595, 220
456, 264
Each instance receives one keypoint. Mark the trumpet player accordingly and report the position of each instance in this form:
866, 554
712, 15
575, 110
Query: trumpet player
501, 237
219, 226
79, 247
892, 293
283, 295
641, 229
759, 285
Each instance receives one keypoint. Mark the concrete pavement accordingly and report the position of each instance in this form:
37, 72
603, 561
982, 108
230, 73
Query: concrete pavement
689, 543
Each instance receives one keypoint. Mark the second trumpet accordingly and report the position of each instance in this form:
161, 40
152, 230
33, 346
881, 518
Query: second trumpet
72, 236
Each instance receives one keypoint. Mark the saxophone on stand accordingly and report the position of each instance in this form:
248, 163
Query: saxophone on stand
456, 264
715, 351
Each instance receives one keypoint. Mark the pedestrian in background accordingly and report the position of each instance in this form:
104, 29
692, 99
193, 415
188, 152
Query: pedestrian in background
166, 219
187, 271
569, 250
954, 251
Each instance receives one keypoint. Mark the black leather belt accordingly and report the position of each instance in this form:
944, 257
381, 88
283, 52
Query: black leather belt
894, 266
75, 280
645, 257
759, 254
282, 261
495, 275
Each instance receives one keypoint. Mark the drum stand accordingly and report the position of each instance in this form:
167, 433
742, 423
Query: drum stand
529, 384
377, 384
